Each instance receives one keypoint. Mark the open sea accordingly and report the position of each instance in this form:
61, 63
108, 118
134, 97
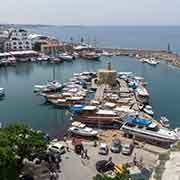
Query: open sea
22, 105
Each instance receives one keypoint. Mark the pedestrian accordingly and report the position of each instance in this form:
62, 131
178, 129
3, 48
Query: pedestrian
67, 147
82, 153
86, 154
134, 159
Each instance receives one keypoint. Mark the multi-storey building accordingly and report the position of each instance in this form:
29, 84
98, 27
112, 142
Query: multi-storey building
18, 40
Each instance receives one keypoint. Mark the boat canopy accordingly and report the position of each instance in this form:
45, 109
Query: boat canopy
106, 112
89, 108
109, 104
77, 107
124, 109
139, 121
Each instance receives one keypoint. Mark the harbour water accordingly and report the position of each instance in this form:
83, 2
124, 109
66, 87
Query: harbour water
21, 104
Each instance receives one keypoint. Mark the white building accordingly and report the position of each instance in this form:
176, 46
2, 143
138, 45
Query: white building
18, 40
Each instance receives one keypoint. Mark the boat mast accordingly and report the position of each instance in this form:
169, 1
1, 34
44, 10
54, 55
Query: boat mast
54, 71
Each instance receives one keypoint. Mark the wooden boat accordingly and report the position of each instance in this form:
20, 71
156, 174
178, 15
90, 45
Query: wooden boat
90, 56
67, 102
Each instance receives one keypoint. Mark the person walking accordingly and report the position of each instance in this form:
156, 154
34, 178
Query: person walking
86, 154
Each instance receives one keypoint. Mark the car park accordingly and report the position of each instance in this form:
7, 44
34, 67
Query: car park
116, 146
103, 149
126, 149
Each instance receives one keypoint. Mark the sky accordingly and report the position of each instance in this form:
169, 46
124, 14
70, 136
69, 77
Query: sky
91, 12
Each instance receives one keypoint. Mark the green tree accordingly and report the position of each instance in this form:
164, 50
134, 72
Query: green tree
18, 141
7, 164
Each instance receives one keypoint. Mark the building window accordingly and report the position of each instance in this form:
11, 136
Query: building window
27, 42
20, 43
14, 43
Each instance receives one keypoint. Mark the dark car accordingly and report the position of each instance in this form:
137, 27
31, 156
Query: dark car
104, 166
116, 146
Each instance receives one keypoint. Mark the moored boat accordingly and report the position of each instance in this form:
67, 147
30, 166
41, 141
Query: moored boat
50, 86
78, 128
148, 110
164, 122
2, 92
142, 94
65, 56
151, 133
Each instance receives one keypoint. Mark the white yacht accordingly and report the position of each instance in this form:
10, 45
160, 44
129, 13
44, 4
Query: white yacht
151, 132
79, 128
107, 54
50, 86
148, 110
65, 56
2, 92
142, 94
82, 46
150, 61
165, 122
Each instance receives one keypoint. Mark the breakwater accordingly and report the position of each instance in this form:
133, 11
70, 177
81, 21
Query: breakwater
159, 54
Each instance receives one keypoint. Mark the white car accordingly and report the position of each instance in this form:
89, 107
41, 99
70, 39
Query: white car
126, 149
57, 148
103, 149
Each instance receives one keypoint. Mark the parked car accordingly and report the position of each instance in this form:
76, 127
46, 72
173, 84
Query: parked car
103, 166
57, 148
126, 149
103, 149
116, 146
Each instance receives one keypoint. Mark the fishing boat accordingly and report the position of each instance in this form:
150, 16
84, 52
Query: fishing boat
151, 132
164, 121
2, 92
148, 110
78, 128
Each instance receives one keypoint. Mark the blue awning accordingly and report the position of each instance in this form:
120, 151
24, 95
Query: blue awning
140, 121
76, 108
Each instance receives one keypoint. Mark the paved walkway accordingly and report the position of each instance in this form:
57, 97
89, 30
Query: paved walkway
172, 171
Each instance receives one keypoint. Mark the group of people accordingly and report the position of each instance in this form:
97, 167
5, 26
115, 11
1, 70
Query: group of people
54, 160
